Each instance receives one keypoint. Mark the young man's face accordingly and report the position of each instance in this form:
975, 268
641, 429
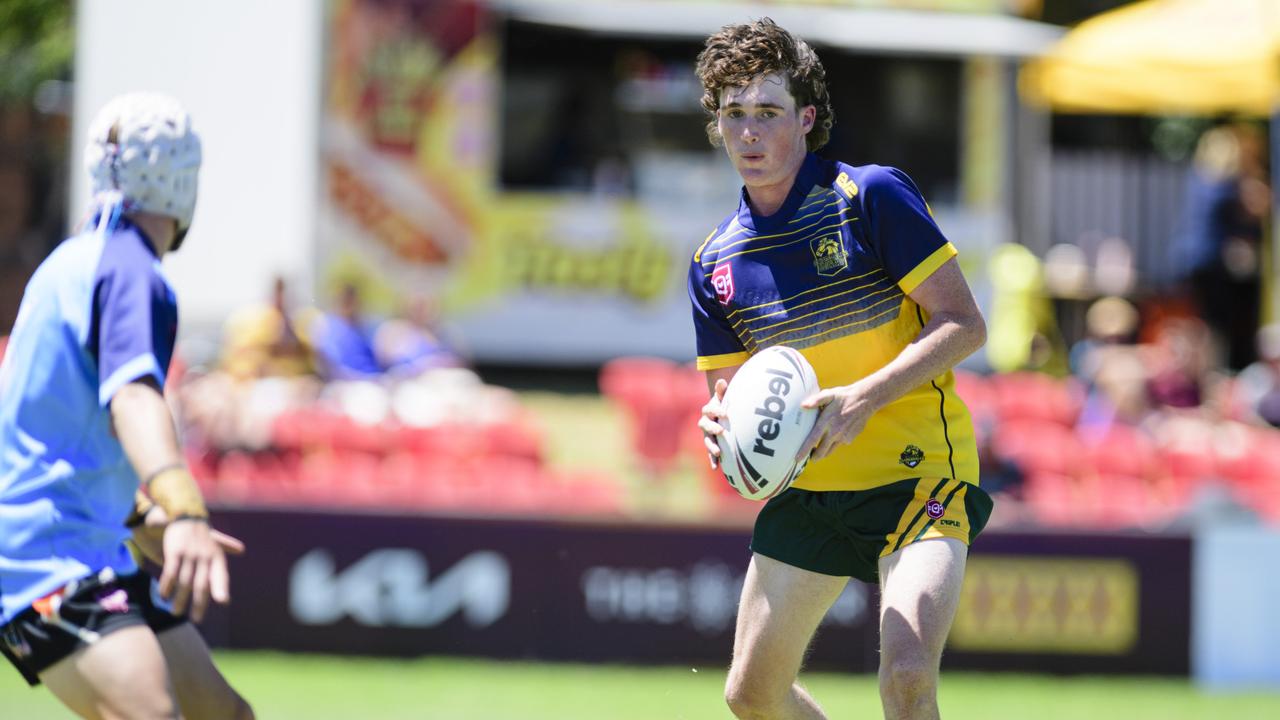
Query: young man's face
763, 133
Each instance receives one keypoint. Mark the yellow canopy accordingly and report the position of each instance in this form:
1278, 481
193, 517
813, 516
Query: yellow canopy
1163, 57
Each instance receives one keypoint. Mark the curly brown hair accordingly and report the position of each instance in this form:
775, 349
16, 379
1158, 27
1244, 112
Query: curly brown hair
738, 53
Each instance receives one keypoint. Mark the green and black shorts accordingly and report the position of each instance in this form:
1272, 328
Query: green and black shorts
846, 532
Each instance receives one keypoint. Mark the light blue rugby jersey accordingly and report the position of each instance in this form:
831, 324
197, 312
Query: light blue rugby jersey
97, 314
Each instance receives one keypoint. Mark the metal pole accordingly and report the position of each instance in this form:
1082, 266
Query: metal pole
1270, 311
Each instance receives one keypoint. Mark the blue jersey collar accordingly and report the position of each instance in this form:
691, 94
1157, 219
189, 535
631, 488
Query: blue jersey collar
808, 176
122, 223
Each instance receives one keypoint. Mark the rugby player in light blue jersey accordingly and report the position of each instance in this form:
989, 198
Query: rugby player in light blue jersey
88, 448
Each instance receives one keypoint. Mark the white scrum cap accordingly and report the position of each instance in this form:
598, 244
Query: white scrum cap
142, 147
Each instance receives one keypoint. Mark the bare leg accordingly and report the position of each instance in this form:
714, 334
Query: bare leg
780, 609
919, 591
120, 677
203, 693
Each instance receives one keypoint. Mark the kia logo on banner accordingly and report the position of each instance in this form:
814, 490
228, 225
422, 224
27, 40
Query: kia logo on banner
391, 588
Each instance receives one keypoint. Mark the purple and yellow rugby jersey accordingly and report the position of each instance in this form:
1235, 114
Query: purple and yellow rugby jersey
829, 274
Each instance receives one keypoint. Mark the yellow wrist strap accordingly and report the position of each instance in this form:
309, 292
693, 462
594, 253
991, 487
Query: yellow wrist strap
175, 490
141, 506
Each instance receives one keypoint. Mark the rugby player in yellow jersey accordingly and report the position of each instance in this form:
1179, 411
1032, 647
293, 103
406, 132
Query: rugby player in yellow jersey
846, 265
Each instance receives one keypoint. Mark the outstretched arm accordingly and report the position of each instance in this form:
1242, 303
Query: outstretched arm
195, 567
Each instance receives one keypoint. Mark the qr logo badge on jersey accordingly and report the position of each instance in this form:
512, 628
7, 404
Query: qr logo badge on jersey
934, 509
829, 255
911, 456
722, 282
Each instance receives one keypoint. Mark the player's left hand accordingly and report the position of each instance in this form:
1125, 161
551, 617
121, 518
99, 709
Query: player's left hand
842, 413
149, 537
195, 568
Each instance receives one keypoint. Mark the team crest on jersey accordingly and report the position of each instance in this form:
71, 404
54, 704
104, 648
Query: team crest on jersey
722, 282
829, 256
912, 456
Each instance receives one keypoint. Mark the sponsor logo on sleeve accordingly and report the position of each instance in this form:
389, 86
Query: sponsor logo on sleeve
846, 185
722, 283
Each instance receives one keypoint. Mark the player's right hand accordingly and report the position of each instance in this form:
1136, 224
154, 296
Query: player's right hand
709, 423
195, 568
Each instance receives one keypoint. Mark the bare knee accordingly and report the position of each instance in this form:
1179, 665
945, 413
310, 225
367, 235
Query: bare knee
748, 705
751, 701
906, 685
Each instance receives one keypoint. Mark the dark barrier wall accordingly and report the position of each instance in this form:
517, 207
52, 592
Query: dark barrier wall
410, 585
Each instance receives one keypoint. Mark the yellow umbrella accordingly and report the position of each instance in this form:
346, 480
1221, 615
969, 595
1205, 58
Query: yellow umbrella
1199, 57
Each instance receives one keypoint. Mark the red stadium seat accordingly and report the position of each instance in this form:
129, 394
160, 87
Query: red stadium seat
977, 395
514, 438
1122, 501
1036, 396
1038, 446
1124, 451
661, 398
1247, 456
1053, 498
236, 477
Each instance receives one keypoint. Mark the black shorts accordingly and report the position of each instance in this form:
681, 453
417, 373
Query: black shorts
846, 532
34, 643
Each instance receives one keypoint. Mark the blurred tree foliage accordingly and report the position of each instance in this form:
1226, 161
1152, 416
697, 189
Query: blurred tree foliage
37, 38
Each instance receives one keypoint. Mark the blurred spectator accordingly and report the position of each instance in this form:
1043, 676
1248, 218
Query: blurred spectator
1258, 386
219, 411
344, 340
1109, 321
1219, 246
267, 367
1023, 332
1118, 393
1179, 363
1114, 369
268, 340
410, 345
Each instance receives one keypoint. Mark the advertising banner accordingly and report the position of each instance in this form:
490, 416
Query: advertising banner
1075, 603
415, 585
401, 585
412, 207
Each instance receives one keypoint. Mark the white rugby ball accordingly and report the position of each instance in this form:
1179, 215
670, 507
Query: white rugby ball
765, 424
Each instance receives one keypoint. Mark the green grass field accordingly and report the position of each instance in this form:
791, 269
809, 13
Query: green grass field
309, 687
